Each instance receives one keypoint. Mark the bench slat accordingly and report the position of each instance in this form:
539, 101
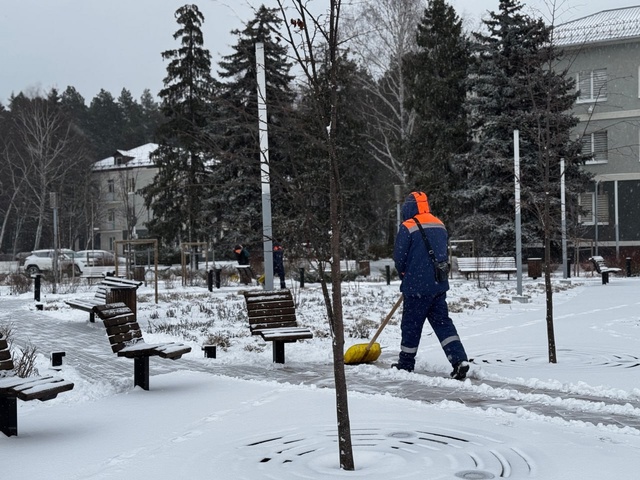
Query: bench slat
286, 334
34, 388
272, 323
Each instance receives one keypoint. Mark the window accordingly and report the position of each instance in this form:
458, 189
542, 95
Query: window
111, 217
596, 146
111, 186
592, 85
131, 185
588, 205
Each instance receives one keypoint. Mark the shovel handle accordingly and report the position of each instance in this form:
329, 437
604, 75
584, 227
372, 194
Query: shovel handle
384, 323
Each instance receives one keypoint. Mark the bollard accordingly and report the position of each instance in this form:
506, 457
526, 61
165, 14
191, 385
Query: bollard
218, 275
209, 351
387, 269
56, 358
210, 280
302, 278
36, 287
628, 266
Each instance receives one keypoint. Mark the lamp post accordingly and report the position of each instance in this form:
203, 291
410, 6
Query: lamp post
131, 215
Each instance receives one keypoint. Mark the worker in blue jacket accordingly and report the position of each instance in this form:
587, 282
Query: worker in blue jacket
421, 259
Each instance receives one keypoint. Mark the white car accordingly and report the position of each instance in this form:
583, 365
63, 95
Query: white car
96, 258
42, 261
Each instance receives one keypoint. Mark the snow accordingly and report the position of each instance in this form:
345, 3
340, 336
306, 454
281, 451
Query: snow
239, 416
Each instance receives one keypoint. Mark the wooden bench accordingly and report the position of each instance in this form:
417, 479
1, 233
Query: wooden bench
272, 315
602, 269
13, 387
479, 265
110, 290
126, 340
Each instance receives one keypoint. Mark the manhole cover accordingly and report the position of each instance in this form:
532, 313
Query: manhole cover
474, 475
399, 452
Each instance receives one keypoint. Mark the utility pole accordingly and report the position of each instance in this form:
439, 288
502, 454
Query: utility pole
267, 231
53, 200
516, 160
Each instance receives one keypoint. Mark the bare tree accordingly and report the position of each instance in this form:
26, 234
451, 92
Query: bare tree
45, 150
14, 183
381, 34
315, 42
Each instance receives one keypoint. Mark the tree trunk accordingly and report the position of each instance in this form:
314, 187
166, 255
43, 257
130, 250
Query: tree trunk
547, 265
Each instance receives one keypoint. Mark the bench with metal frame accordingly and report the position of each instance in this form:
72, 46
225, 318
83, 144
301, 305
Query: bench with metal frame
601, 267
110, 290
126, 341
272, 315
13, 387
477, 265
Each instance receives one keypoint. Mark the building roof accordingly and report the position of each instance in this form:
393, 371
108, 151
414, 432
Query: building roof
605, 26
136, 157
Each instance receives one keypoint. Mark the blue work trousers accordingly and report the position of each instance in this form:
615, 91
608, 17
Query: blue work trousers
417, 309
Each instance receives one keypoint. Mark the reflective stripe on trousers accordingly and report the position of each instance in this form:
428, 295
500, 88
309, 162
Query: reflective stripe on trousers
434, 308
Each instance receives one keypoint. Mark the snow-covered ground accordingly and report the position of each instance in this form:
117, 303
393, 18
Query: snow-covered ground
239, 416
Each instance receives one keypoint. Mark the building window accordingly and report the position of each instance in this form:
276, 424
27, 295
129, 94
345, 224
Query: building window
111, 217
596, 146
589, 203
131, 185
111, 186
592, 85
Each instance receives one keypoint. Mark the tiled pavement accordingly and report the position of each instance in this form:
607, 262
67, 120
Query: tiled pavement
88, 351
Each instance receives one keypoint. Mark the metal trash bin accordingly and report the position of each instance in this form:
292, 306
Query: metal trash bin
138, 273
534, 267
364, 268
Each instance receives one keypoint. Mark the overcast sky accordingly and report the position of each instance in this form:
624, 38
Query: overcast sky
116, 44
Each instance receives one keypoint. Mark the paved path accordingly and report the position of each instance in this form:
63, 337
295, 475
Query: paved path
88, 351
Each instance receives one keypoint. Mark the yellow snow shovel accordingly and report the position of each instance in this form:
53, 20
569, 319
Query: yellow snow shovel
366, 353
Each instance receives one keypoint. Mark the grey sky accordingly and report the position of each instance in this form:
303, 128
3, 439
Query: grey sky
115, 44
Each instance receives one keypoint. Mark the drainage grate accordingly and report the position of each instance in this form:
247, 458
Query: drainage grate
404, 452
580, 359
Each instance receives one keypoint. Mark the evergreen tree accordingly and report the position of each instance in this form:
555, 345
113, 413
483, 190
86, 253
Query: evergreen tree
133, 122
106, 124
75, 107
177, 193
515, 86
437, 88
151, 115
361, 181
237, 203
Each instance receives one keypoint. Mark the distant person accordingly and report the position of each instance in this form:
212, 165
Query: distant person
278, 263
244, 268
420, 255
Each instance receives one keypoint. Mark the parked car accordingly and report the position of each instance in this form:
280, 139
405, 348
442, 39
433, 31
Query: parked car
96, 258
42, 261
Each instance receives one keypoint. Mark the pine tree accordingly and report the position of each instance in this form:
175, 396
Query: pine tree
105, 123
437, 92
132, 129
237, 203
182, 157
361, 182
515, 86
152, 116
